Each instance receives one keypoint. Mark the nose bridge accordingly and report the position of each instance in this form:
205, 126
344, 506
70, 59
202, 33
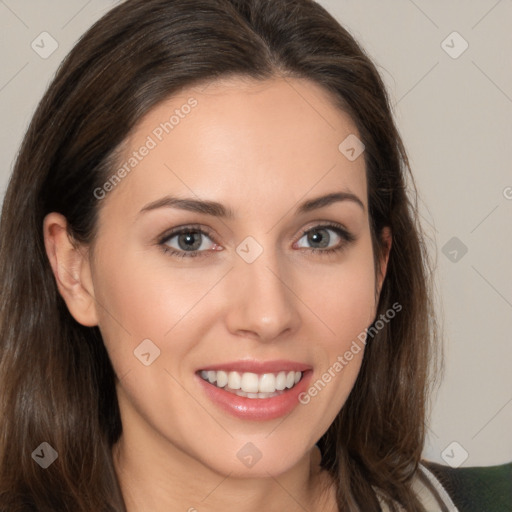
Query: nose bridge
263, 303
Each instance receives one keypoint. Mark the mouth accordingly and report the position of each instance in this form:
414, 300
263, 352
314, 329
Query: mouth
252, 385
252, 390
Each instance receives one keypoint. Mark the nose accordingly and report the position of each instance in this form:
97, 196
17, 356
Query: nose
262, 304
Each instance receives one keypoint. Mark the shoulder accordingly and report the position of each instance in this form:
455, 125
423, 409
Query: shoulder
429, 490
473, 489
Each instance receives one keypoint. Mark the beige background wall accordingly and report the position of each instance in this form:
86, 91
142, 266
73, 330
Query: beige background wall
454, 108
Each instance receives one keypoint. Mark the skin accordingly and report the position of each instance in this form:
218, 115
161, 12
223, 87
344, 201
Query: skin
261, 149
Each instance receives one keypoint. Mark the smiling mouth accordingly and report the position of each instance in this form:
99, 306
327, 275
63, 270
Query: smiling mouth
252, 385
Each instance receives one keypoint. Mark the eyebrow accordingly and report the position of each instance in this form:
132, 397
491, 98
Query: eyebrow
218, 210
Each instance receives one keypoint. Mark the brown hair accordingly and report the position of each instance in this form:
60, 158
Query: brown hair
57, 384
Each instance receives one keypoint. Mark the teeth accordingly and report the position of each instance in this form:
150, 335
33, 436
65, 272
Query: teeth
281, 381
250, 384
267, 383
234, 380
222, 379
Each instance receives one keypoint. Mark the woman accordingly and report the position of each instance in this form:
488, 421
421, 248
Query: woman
186, 148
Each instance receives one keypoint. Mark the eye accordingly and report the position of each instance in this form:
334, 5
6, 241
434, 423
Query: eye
325, 238
188, 241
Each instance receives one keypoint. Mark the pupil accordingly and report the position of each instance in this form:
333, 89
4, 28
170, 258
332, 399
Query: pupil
320, 236
187, 243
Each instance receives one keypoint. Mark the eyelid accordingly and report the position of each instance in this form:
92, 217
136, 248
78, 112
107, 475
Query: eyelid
185, 228
327, 224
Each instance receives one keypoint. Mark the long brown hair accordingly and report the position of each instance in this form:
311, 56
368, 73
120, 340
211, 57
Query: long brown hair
57, 384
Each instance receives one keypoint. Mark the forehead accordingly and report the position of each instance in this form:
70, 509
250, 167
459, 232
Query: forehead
243, 142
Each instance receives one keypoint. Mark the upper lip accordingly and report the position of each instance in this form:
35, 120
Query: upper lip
253, 366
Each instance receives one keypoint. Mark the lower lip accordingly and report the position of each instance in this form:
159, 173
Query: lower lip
257, 409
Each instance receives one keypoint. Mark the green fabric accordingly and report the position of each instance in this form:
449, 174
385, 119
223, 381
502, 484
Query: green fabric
477, 489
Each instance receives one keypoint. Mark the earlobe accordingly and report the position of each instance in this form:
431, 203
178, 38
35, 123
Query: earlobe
71, 269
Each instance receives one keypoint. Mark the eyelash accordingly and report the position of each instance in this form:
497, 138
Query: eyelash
346, 237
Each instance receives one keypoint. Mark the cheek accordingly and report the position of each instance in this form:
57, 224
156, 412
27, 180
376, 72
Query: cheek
343, 299
139, 296
343, 295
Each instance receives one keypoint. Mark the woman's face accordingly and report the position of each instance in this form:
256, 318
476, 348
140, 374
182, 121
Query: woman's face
216, 257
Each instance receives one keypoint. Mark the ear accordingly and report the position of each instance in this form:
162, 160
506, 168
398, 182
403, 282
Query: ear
386, 240
71, 268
